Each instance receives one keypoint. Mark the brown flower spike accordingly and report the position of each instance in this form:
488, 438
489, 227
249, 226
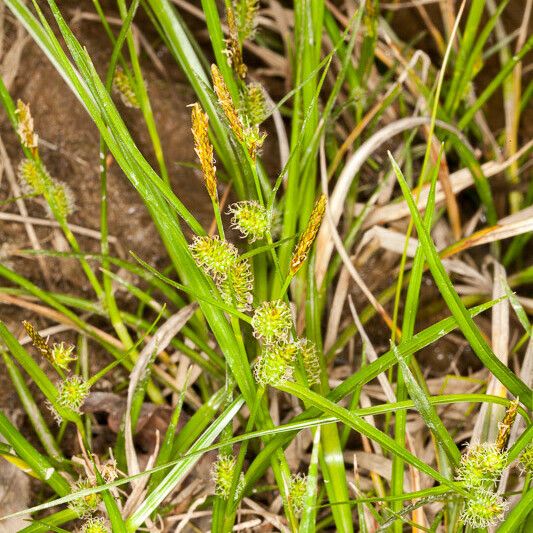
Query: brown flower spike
28, 137
306, 240
204, 149
233, 50
38, 341
224, 98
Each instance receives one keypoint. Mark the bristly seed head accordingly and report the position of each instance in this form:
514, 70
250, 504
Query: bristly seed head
297, 488
310, 360
306, 240
272, 321
275, 365
222, 474
482, 465
484, 508
250, 218
254, 104
526, 460
236, 289
123, 87
85, 505
214, 256
95, 525
63, 199
62, 355
28, 137
33, 178
72, 393
204, 149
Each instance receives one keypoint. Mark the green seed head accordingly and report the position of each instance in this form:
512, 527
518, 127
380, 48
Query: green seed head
95, 525
63, 199
483, 509
62, 355
272, 321
276, 363
250, 218
72, 393
222, 474
237, 287
33, 178
86, 505
311, 361
526, 460
482, 465
214, 256
297, 487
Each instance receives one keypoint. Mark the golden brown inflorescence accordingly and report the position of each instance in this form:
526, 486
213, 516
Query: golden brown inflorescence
224, 98
306, 240
204, 149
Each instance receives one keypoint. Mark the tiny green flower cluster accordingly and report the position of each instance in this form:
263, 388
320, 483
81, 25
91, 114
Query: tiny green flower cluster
272, 321
276, 363
250, 218
73, 391
94, 525
481, 467
222, 474
484, 508
85, 506
297, 487
526, 460
62, 355
35, 179
232, 274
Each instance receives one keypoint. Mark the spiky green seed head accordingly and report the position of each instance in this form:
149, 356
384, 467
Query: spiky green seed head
72, 393
310, 360
63, 199
482, 465
123, 87
85, 506
222, 474
62, 355
236, 289
275, 365
297, 488
484, 508
255, 107
95, 525
250, 218
272, 321
526, 460
214, 256
33, 178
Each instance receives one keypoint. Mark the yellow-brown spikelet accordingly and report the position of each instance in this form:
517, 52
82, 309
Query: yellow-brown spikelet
204, 149
122, 86
28, 137
233, 46
505, 425
306, 240
224, 98
38, 341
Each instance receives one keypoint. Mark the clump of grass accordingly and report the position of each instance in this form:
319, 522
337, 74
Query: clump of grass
263, 323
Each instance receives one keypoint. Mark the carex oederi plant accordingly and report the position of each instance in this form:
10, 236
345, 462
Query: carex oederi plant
304, 426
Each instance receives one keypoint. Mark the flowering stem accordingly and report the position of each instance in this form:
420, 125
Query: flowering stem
218, 218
